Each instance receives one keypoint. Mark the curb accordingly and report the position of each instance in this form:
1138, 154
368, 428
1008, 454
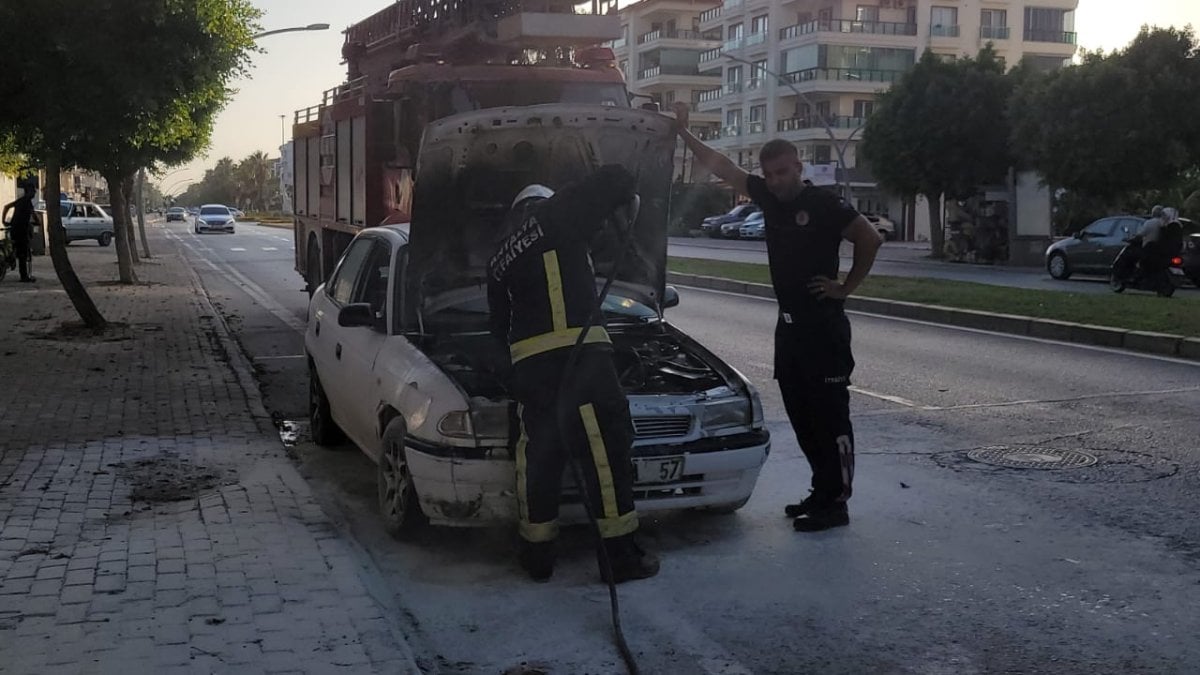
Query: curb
1161, 344
280, 226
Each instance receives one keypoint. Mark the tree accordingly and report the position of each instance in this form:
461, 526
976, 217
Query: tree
941, 132
74, 52
1116, 123
254, 178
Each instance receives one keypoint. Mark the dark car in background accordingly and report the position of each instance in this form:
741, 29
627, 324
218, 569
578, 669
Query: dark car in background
1093, 249
713, 225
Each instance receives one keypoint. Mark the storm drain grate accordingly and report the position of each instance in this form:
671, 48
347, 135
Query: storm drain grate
1032, 457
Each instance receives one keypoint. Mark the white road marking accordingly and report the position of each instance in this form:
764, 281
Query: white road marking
269, 248
978, 331
237, 249
281, 357
899, 400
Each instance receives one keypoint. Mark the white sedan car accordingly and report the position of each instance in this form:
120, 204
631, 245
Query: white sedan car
215, 218
402, 362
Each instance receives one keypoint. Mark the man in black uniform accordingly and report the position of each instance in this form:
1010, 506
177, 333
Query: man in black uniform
541, 292
805, 226
21, 230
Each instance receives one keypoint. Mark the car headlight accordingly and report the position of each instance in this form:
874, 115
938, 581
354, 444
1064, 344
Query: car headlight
485, 421
725, 414
456, 424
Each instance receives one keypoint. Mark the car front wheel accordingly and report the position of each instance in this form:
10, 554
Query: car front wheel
1057, 266
324, 430
105, 239
398, 504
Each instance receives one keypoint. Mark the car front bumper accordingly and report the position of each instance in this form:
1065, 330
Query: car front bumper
213, 227
481, 492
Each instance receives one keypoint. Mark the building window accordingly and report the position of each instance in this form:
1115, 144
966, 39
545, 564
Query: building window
867, 13
825, 15
734, 75
733, 123
823, 110
758, 74
1049, 25
669, 98
822, 154
734, 32
758, 117
944, 22
993, 24
863, 108
758, 25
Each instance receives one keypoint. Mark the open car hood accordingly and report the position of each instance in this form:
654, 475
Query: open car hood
472, 166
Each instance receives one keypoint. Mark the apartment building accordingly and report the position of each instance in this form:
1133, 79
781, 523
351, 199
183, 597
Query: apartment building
836, 56
659, 53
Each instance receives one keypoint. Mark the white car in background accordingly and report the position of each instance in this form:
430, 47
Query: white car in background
85, 220
401, 359
886, 228
215, 217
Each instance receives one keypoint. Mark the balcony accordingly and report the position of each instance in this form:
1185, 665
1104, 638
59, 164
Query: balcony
843, 75
712, 95
730, 5
710, 14
669, 35
994, 32
619, 43
939, 30
755, 127
731, 131
650, 72
710, 55
677, 70
734, 44
732, 88
708, 134
814, 122
756, 84
1059, 37
839, 26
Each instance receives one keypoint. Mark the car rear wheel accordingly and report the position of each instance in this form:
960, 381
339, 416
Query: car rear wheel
105, 239
1058, 267
324, 430
398, 504
1115, 284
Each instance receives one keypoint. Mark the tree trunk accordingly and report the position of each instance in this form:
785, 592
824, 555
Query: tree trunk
937, 234
127, 195
121, 229
141, 212
58, 250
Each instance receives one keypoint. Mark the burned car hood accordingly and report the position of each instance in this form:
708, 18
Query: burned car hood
472, 166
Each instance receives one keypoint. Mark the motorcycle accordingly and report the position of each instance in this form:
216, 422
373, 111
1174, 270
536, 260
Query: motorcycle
1126, 272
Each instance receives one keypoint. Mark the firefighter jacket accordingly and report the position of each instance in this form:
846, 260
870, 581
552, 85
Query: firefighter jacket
541, 284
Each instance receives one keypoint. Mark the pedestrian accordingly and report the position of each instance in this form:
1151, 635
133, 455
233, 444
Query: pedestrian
21, 230
805, 226
541, 293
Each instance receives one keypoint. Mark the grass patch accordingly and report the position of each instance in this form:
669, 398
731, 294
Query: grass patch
1133, 310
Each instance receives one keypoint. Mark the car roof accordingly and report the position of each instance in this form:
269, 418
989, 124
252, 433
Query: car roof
209, 206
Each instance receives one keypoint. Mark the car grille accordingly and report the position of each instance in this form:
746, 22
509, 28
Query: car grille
662, 426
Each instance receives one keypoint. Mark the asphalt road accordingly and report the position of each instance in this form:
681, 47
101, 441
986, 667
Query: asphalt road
949, 565
899, 260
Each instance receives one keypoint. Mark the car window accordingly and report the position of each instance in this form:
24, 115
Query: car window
1127, 228
372, 287
341, 285
79, 211
93, 212
214, 211
1100, 228
65, 209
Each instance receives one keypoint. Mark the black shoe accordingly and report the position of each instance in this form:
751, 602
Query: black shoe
537, 558
28, 280
823, 518
796, 510
628, 560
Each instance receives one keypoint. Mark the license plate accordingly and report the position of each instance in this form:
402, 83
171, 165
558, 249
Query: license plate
1177, 271
658, 470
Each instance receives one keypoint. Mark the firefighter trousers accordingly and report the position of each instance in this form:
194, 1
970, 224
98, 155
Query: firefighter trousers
813, 363
593, 415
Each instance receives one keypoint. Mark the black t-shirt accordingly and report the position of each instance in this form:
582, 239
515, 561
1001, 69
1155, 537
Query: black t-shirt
803, 239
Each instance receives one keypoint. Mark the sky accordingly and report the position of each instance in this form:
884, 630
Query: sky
295, 68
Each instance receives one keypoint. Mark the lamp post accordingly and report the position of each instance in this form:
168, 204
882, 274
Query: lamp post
294, 29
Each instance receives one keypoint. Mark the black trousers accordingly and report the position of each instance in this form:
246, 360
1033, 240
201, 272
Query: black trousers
24, 255
813, 363
596, 428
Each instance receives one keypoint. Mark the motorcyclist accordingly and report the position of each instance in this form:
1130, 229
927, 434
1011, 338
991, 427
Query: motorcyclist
1156, 236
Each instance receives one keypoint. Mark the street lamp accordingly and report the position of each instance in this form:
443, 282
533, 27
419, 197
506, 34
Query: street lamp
295, 29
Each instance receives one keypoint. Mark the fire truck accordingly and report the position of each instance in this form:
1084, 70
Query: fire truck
418, 61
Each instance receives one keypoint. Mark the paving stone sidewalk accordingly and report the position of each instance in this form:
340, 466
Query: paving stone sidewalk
150, 519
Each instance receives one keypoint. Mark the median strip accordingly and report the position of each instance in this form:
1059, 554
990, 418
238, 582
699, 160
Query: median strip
1133, 321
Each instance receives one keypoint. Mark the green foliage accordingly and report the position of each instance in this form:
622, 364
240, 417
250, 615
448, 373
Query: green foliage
693, 202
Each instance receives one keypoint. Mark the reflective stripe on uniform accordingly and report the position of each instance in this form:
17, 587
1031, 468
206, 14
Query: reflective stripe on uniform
608, 494
522, 464
619, 526
538, 532
554, 289
555, 340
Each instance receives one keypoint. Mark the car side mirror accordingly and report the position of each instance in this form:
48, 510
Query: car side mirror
358, 315
670, 298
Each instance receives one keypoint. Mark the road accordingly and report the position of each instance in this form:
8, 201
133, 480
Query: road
898, 260
949, 565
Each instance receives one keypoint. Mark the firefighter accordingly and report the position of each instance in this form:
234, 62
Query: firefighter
805, 227
541, 292
21, 230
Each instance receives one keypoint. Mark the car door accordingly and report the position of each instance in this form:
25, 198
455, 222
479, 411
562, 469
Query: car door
358, 380
1087, 256
1126, 229
75, 223
324, 334
97, 221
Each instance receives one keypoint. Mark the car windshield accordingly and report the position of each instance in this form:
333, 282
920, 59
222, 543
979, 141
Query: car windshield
214, 211
470, 314
175, 209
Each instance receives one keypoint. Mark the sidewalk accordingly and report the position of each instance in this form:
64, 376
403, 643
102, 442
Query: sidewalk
151, 519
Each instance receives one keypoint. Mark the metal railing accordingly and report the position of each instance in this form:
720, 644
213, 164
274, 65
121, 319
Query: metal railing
840, 26
734, 44
310, 114
842, 75
756, 83
708, 134
710, 55
711, 95
755, 127
650, 72
731, 131
814, 122
669, 35
1061, 37
732, 88
655, 71
994, 32
756, 39
336, 94
710, 14
938, 30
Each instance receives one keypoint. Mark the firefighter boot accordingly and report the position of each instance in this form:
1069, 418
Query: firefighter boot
627, 559
537, 559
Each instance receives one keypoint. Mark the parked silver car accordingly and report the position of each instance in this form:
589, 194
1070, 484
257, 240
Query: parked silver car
85, 220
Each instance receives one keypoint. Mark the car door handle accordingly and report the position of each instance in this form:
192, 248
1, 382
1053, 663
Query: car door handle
337, 351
